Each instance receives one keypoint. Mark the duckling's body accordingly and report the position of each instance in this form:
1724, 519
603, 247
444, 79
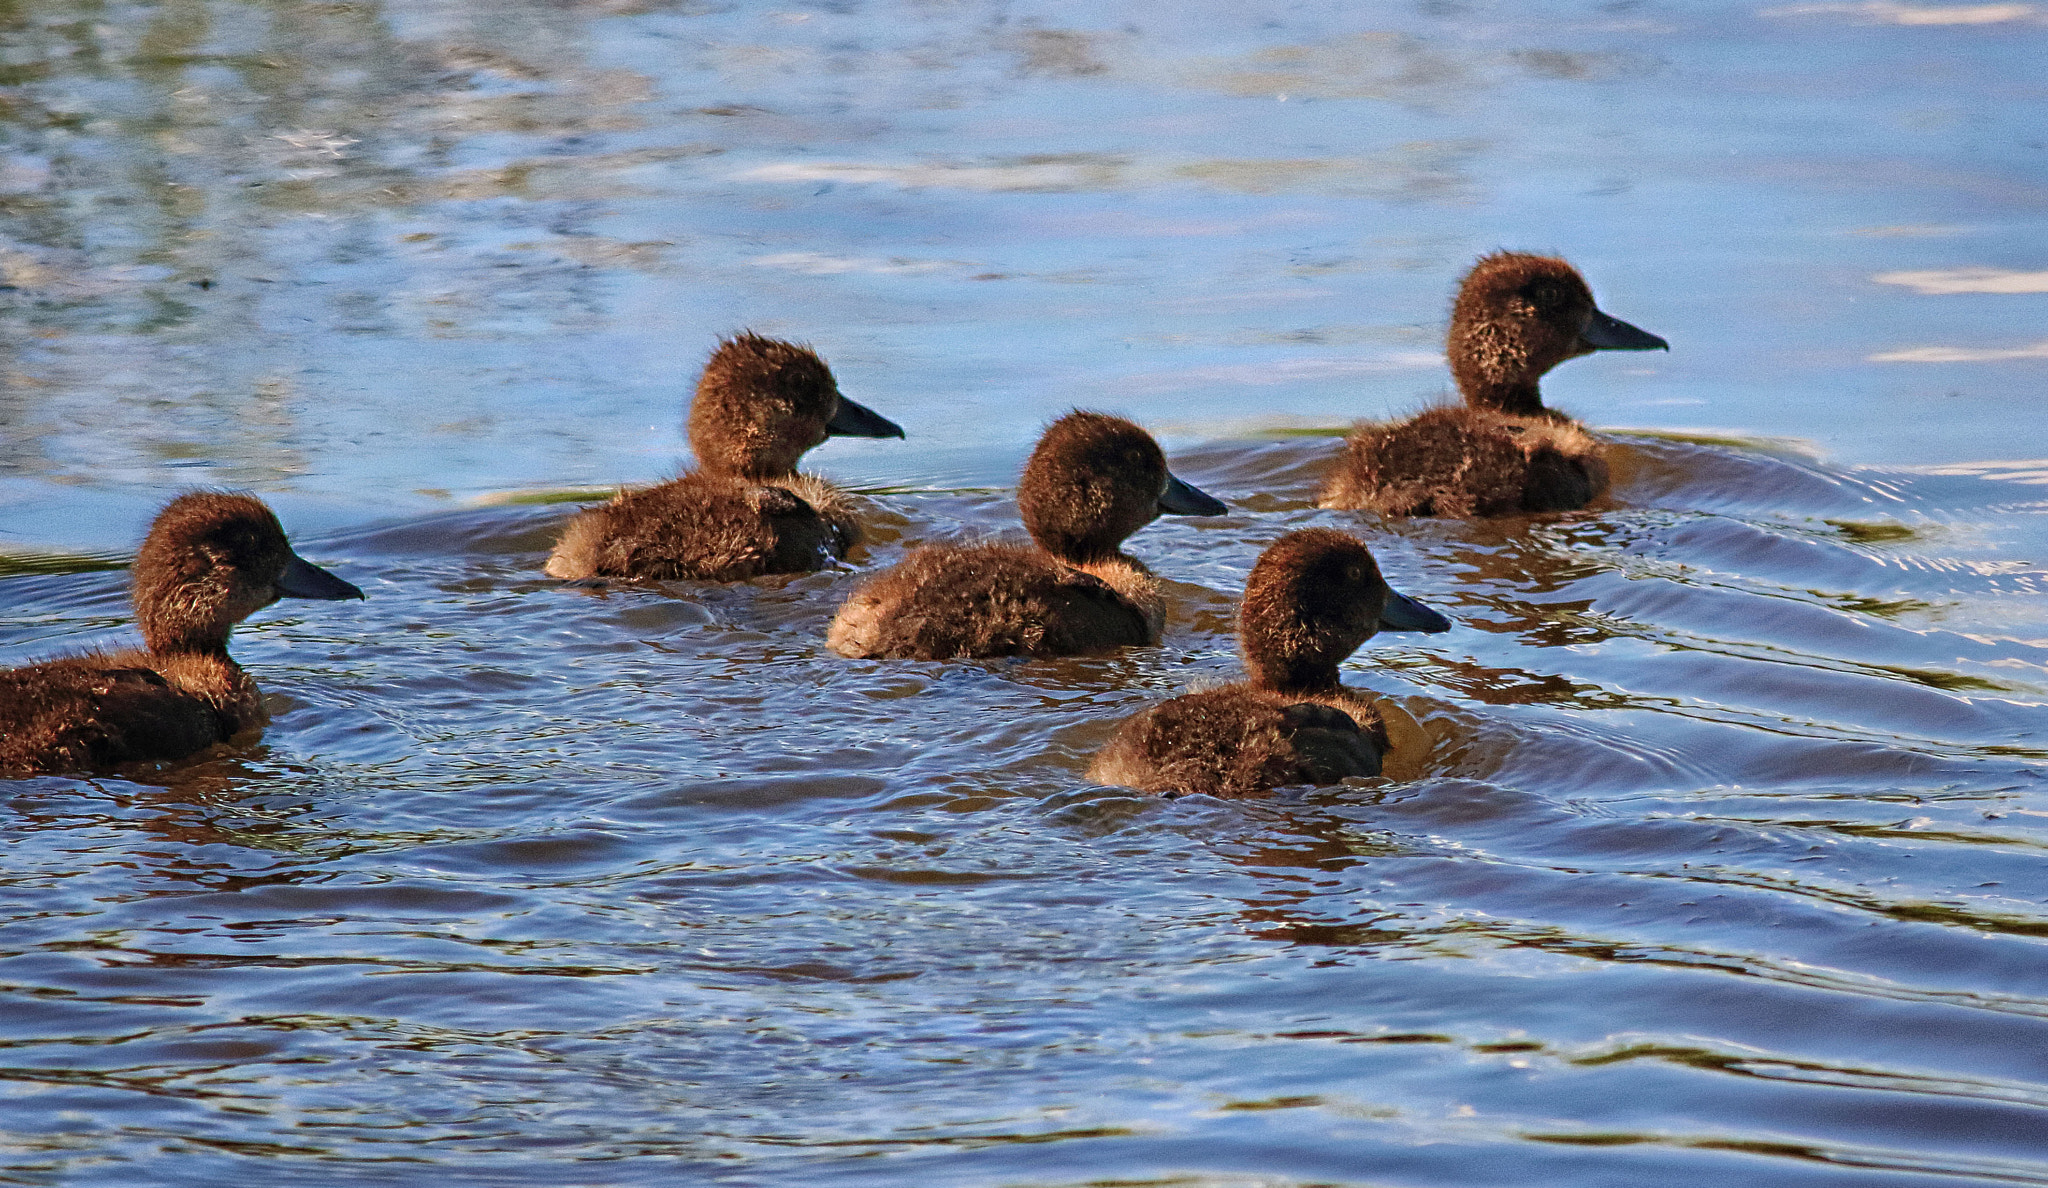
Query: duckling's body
998, 600
1313, 598
93, 712
1516, 317
210, 560
745, 511
1464, 462
710, 527
1241, 741
1092, 481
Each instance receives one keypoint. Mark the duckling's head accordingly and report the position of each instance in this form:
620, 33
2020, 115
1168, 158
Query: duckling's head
1095, 479
762, 403
1516, 317
1312, 599
212, 560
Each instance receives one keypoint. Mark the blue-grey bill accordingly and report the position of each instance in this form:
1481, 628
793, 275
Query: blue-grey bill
858, 420
1606, 333
1180, 499
1403, 613
303, 579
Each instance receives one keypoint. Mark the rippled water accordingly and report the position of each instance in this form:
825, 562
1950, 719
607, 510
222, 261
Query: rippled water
532, 884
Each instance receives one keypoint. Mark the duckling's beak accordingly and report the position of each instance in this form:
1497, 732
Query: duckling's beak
303, 579
857, 420
1606, 333
1179, 499
1403, 613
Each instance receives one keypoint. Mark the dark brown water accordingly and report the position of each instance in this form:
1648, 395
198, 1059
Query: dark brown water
538, 885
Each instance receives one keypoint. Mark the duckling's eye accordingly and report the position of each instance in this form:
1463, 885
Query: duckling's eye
1135, 459
1354, 574
1546, 295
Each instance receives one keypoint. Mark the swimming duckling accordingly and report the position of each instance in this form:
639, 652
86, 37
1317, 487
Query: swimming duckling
1517, 316
745, 511
1091, 482
210, 561
1311, 600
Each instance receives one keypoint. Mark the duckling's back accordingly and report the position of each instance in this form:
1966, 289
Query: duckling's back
94, 712
1240, 741
708, 527
1460, 461
985, 600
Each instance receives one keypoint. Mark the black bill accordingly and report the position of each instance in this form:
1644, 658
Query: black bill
1403, 613
858, 420
1606, 333
303, 579
1179, 499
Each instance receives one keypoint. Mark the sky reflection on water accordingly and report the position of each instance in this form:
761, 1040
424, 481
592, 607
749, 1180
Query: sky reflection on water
449, 251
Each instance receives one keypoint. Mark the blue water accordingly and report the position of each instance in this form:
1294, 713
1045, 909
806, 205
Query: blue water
535, 885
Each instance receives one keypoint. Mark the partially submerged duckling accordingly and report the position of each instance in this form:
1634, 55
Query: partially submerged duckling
745, 511
210, 561
1517, 316
1313, 598
1092, 481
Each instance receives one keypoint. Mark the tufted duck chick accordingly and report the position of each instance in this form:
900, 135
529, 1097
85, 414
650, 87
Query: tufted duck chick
1517, 316
210, 561
1313, 598
1092, 481
745, 511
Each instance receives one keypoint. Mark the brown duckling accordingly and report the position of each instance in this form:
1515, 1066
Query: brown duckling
745, 511
1517, 316
210, 561
1091, 482
1313, 598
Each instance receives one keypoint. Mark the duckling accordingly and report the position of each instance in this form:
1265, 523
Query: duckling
1091, 482
1516, 317
760, 405
1312, 599
210, 561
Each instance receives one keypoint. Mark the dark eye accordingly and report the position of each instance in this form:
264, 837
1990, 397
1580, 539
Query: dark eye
1546, 296
1135, 459
1354, 574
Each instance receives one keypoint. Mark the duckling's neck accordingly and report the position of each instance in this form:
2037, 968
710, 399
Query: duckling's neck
755, 473
164, 641
1090, 559
1517, 399
1292, 675
217, 653
1078, 546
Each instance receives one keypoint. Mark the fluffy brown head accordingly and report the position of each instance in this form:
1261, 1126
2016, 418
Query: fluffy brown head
1311, 600
1095, 479
1516, 317
212, 560
761, 404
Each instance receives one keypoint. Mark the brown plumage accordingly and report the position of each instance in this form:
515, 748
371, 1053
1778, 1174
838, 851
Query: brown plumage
1516, 317
1313, 598
210, 561
1091, 483
745, 511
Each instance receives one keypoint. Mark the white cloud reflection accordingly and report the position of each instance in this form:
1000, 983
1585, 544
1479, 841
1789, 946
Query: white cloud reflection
1890, 13
1289, 371
1967, 280
1941, 354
